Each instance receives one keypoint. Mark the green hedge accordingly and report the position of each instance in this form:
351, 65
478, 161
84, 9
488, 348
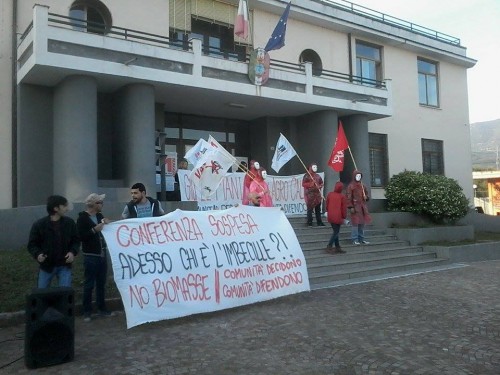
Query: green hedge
438, 198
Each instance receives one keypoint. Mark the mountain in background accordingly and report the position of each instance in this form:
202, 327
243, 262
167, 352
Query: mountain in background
485, 145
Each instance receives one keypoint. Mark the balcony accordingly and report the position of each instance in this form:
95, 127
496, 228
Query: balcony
186, 80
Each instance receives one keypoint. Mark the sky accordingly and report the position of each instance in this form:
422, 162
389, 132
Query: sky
477, 24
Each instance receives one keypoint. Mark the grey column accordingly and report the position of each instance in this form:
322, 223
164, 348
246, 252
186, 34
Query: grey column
316, 135
135, 157
75, 138
356, 131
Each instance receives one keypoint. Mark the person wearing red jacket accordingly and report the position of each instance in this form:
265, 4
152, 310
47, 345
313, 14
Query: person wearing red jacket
357, 196
312, 184
250, 175
336, 208
260, 188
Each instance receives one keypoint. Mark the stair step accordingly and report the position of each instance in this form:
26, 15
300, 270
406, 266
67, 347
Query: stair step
335, 276
342, 262
321, 242
361, 253
385, 255
437, 266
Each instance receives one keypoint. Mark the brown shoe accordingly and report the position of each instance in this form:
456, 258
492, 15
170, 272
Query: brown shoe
330, 250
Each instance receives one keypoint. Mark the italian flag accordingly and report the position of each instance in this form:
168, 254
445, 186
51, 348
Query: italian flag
241, 22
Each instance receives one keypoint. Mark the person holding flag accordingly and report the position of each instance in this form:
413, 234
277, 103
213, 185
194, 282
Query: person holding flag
250, 175
312, 184
357, 196
260, 188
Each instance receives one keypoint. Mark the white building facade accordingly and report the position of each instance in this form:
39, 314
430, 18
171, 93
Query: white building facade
87, 85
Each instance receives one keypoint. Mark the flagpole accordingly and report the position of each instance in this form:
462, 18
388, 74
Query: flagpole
309, 173
352, 157
356, 168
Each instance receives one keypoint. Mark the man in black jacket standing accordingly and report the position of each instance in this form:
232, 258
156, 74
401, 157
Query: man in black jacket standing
90, 223
54, 243
141, 205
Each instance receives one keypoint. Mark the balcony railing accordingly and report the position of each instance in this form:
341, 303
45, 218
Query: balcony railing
390, 20
79, 25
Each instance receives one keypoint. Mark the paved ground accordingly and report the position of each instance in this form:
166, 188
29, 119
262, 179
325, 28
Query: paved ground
445, 322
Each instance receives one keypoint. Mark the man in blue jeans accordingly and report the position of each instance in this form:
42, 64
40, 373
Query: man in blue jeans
90, 223
54, 243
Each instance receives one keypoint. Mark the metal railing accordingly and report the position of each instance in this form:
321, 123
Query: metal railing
114, 31
390, 20
285, 65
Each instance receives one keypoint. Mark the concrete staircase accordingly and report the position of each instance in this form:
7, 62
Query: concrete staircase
385, 256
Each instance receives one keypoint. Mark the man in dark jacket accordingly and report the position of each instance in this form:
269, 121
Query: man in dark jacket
141, 205
90, 223
54, 243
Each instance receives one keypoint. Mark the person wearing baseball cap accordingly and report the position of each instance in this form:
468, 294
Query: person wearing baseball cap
90, 223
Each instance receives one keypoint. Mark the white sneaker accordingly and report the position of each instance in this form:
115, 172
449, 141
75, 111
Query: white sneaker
365, 242
356, 243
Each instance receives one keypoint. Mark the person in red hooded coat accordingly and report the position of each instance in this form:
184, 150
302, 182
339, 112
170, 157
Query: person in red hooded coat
336, 208
357, 196
249, 177
312, 184
259, 186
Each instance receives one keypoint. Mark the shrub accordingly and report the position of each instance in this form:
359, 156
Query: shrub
438, 198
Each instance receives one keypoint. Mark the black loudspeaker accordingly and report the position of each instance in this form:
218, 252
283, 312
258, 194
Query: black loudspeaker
50, 327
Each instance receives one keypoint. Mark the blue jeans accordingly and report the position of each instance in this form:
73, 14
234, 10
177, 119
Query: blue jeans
95, 275
63, 274
358, 232
335, 235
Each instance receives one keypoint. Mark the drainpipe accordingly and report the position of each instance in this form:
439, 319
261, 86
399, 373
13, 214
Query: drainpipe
349, 48
14, 103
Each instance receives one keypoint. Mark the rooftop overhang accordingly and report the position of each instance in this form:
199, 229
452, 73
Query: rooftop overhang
490, 175
363, 22
186, 80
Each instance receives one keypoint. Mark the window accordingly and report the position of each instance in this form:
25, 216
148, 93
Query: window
311, 56
184, 131
91, 16
432, 157
427, 83
217, 40
378, 159
368, 63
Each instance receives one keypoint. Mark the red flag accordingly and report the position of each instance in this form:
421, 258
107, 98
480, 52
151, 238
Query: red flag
336, 161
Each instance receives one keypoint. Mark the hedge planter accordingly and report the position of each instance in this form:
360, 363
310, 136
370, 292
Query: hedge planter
467, 253
417, 236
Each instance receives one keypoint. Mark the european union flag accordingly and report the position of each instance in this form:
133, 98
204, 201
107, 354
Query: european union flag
277, 39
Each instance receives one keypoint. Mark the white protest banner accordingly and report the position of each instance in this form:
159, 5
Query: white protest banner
286, 191
190, 262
